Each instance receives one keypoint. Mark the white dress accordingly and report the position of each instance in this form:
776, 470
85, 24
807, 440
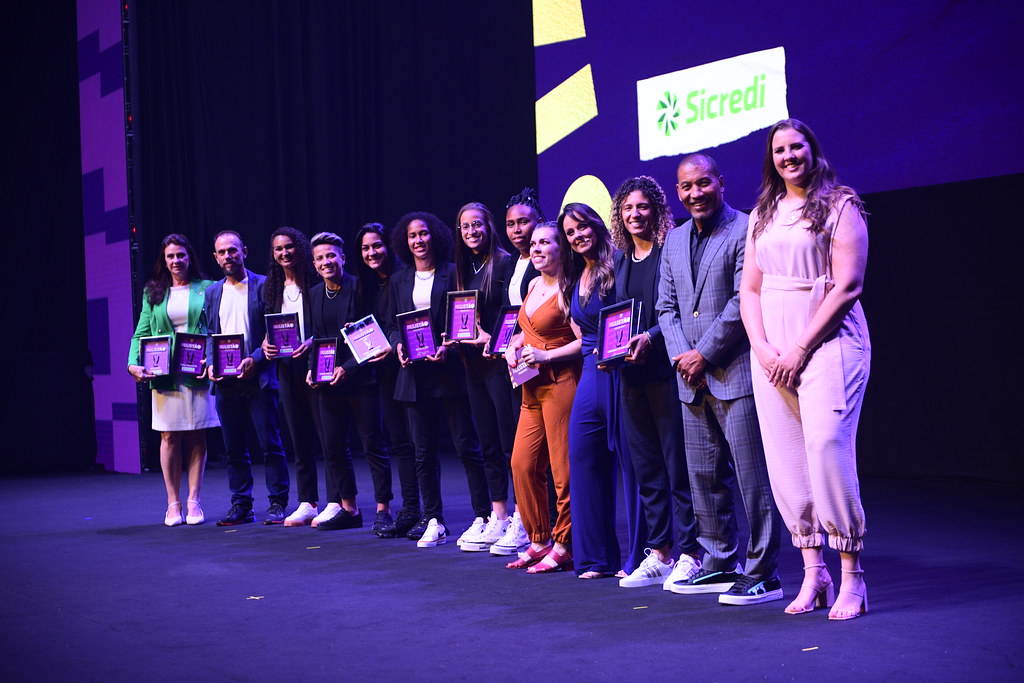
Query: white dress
183, 409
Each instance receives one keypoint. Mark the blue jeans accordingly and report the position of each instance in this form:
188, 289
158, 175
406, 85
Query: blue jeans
239, 403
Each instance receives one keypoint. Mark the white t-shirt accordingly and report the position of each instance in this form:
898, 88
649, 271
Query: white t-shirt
177, 308
234, 309
421, 290
293, 304
515, 282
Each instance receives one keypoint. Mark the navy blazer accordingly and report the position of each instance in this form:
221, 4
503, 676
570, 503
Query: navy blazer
658, 358
257, 325
423, 379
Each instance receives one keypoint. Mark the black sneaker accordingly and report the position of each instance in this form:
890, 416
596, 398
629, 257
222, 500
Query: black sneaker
342, 520
416, 532
707, 581
275, 514
238, 514
750, 591
405, 521
384, 525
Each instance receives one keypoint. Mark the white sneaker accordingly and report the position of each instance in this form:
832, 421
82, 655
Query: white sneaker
303, 515
473, 532
490, 535
650, 572
329, 512
435, 535
686, 568
515, 539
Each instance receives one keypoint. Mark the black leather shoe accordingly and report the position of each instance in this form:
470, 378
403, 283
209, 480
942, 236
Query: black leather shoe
416, 532
405, 521
342, 520
384, 525
238, 514
275, 514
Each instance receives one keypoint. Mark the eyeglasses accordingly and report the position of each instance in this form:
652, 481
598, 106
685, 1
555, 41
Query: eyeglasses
476, 225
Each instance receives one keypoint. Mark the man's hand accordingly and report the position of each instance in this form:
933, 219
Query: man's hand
691, 366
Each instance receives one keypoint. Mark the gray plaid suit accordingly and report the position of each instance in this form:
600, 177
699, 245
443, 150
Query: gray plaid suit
723, 440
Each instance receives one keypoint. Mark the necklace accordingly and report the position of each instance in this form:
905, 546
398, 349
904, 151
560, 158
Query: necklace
331, 293
298, 294
639, 260
476, 271
429, 274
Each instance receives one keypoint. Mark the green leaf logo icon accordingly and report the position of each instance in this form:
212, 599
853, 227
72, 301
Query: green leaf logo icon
668, 112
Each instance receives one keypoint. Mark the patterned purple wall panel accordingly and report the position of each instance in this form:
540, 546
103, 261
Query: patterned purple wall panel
107, 256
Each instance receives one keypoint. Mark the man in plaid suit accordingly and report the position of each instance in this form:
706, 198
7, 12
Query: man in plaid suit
699, 311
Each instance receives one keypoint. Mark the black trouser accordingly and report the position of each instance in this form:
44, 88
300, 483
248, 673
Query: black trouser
653, 426
299, 407
396, 433
488, 384
339, 406
425, 417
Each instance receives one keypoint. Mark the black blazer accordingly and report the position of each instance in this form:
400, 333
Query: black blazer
351, 310
658, 361
425, 379
506, 275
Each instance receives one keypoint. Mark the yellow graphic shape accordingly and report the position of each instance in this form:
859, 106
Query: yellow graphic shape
555, 21
591, 191
563, 110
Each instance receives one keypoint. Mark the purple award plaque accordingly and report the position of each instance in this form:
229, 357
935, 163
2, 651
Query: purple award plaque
189, 350
617, 325
228, 352
156, 354
504, 329
366, 339
523, 372
283, 332
418, 334
324, 351
461, 315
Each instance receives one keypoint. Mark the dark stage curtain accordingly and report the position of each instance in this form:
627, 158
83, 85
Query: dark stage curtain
250, 115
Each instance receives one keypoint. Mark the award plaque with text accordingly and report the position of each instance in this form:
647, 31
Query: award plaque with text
155, 354
283, 332
418, 334
616, 326
523, 372
461, 310
366, 339
228, 352
323, 354
189, 350
504, 329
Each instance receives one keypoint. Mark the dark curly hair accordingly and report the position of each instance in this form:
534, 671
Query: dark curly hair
305, 273
824, 193
160, 279
604, 268
440, 237
661, 216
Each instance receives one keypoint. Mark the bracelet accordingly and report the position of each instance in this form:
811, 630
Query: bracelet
802, 348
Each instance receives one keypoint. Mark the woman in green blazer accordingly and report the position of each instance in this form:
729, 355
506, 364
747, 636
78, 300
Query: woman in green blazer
182, 406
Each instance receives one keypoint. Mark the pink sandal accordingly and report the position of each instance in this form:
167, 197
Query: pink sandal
528, 558
554, 561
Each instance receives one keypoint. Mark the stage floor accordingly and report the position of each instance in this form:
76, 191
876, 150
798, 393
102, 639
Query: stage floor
95, 588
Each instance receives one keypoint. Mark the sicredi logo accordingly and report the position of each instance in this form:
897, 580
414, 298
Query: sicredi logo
712, 104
